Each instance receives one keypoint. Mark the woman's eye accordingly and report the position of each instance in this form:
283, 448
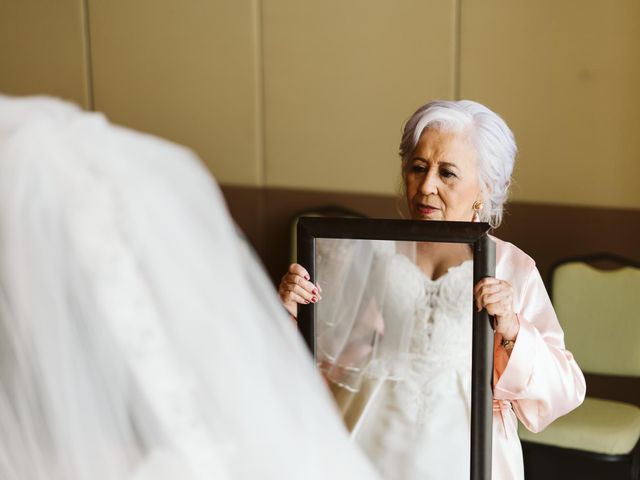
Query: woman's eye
418, 168
447, 174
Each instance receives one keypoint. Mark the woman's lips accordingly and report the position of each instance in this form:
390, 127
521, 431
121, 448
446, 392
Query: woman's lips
426, 209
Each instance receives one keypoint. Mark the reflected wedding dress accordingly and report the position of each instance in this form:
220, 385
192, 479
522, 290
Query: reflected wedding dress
407, 401
139, 337
410, 413
417, 428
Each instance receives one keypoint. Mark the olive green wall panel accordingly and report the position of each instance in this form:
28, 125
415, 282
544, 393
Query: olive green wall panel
566, 77
187, 71
340, 79
312, 95
43, 49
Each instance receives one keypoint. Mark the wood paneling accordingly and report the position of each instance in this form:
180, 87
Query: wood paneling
551, 232
546, 232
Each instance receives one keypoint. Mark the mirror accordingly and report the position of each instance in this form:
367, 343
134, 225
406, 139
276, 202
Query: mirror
393, 335
393, 339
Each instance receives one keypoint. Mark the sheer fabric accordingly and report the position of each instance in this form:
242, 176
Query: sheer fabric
139, 337
351, 323
397, 347
379, 309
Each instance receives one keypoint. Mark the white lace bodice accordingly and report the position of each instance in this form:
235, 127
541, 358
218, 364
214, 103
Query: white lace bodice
413, 410
440, 309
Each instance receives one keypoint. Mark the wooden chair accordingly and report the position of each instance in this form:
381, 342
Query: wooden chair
599, 310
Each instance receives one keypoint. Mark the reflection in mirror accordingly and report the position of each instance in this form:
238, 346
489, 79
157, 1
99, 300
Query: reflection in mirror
393, 339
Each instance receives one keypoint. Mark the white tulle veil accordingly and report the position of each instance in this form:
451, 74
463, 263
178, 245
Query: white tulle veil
139, 337
355, 336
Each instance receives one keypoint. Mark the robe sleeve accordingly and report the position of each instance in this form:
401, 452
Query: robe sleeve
540, 378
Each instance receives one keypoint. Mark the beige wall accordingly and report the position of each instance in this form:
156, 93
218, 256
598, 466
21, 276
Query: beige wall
567, 80
312, 95
43, 49
187, 71
340, 79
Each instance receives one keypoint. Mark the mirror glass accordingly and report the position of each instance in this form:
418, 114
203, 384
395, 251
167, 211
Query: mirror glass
393, 340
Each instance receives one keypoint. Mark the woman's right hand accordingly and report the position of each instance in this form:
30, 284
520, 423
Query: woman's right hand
296, 288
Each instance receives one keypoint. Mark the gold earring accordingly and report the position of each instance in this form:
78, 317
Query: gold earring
477, 206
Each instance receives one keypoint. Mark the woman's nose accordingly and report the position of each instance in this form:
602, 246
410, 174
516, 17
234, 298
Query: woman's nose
429, 185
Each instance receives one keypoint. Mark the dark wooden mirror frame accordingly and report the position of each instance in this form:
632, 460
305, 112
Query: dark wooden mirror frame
475, 234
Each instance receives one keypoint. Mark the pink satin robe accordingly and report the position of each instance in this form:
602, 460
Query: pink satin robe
540, 381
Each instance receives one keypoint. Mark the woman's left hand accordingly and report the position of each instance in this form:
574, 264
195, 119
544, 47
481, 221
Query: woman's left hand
497, 297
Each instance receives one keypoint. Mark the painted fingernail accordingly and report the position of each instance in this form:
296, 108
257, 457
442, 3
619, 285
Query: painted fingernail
306, 277
314, 291
314, 299
306, 302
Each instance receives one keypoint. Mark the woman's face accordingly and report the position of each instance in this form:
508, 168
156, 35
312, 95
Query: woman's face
442, 177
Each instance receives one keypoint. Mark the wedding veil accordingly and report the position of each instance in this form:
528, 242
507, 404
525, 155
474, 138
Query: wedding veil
139, 336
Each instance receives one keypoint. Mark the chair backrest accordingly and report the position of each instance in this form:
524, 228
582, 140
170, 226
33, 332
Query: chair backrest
599, 311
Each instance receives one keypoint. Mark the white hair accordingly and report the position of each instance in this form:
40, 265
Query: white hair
493, 140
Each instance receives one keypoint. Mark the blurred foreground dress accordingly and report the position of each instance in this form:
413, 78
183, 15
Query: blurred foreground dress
139, 337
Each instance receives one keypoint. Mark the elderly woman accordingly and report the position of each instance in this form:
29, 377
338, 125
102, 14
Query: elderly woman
457, 161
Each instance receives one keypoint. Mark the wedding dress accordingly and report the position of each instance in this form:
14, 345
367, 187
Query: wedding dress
139, 337
396, 348
410, 409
